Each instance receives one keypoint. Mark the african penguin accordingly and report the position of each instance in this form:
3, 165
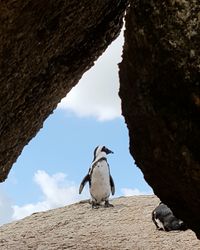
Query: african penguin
164, 219
101, 183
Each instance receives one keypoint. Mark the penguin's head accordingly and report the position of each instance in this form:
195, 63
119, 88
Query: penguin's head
101, 149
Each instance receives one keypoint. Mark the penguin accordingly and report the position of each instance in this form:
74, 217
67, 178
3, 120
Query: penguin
164, 219
101, 183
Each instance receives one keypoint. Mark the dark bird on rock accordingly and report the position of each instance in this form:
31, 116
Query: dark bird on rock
164, 219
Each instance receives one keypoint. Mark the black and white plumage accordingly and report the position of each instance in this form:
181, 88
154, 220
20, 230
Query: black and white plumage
101, 183
164, 219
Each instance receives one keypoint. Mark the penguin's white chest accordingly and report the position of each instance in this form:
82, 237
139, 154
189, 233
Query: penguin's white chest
100, 182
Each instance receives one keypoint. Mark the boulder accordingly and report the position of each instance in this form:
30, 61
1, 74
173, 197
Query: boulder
160, 92
45, 47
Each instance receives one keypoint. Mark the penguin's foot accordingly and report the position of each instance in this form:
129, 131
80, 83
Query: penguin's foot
95, 205
107, 204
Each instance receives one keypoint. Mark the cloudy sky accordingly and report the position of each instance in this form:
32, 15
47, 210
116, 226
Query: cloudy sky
48, 172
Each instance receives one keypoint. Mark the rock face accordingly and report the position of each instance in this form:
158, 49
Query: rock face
45, 47
126, 226
160, 92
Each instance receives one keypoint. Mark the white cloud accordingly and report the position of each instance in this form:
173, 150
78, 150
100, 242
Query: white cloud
134, 191
6, 209
97, 92
56, 190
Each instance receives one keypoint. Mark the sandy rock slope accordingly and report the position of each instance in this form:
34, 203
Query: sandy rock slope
127, 226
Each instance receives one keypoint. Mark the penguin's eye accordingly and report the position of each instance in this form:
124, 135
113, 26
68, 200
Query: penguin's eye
104, 149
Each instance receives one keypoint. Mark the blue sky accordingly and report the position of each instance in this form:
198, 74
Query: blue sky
48, 172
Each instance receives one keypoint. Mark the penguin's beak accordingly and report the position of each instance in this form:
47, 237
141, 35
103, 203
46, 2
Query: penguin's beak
108, 151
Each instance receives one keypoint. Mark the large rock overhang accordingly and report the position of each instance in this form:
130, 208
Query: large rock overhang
160, 92
45, 47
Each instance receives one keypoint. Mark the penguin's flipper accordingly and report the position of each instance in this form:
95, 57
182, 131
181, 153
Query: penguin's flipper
112, 185
84, 181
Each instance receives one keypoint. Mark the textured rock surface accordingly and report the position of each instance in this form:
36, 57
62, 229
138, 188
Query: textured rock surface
45, 47
160, 92
126, 226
